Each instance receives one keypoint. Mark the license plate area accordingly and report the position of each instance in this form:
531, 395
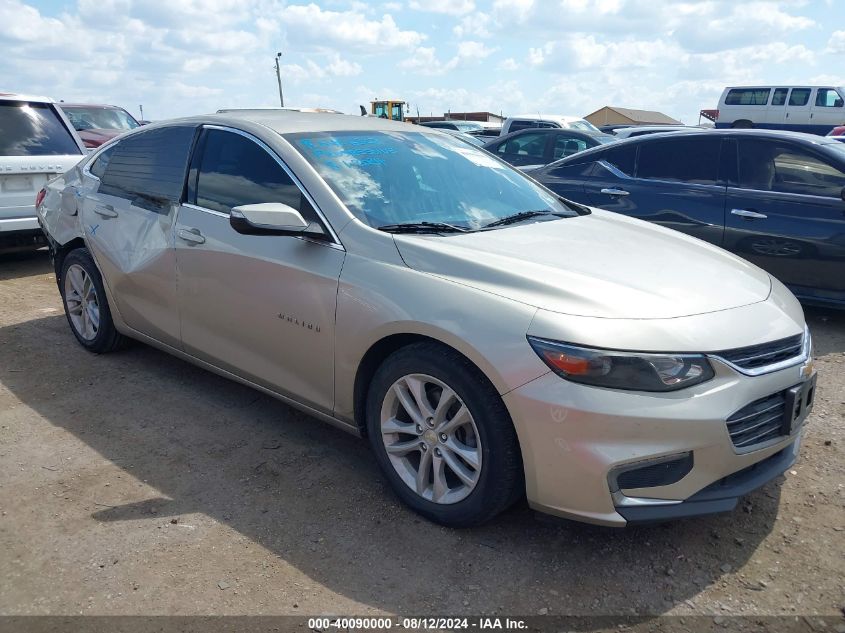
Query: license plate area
799, 402
17, 183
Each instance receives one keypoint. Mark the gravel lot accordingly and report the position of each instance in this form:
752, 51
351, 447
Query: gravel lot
135, 483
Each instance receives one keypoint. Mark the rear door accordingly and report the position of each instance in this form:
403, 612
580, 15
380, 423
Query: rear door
798, 107
786, 215
675, 183
260, 306
128, 224
36, 143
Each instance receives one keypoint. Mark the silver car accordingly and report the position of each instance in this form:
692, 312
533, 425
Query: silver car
490, 339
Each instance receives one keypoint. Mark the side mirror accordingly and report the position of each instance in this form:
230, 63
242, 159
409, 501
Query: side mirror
273, 218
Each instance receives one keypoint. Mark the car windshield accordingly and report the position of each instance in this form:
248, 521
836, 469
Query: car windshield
33, 129
584, 125
388, 178
93, 118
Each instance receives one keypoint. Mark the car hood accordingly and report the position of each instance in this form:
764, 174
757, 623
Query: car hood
96, 137
599, 265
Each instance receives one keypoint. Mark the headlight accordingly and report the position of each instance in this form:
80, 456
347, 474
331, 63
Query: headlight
634, 371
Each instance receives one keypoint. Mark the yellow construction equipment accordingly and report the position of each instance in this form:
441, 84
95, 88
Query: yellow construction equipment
390, 109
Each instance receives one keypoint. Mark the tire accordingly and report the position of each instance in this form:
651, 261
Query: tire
742, 125
85, 303
472, 452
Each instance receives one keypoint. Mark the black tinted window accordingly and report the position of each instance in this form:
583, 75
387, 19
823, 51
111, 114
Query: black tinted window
524, 145
623, 158
779, 97
770, 166
150, 163
98, 167
748, 96
799, 96
693, 160
33, 129
234, 171
521, 125
568, 145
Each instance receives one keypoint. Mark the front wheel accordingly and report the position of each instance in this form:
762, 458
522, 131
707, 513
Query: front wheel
443, 437
85, 304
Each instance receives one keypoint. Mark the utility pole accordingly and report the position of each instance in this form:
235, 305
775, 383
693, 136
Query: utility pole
279, 79
142, 111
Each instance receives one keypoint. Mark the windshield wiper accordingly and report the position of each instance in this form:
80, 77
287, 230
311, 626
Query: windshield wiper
517, 217
422, 227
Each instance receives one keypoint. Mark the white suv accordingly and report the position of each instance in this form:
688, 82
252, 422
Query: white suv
37, 143
526, 121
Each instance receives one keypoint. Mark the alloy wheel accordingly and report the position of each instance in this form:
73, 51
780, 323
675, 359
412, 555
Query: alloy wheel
82, 303
431, 439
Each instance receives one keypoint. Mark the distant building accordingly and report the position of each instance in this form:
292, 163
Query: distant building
610, 115
489, 118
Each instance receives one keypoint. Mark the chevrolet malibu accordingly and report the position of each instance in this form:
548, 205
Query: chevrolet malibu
491, 340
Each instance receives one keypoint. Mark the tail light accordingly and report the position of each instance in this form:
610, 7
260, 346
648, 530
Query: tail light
39, 198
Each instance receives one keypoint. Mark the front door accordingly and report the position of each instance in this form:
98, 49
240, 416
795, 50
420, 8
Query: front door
786, 215
259, 306
128, 223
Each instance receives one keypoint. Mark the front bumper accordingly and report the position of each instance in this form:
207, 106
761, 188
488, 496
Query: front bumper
573, 437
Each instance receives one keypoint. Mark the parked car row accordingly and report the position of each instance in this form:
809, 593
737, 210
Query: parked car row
491, 339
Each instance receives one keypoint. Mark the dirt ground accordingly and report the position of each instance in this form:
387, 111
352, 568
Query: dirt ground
135, 483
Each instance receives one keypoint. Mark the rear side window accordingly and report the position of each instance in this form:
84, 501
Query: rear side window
799, 96
521, 125
691, 160
828, 98
524, 145
98, 167
568, 145
235, 170
779, 98
33, 129
149, 164
748, 96
623, 157
770, 166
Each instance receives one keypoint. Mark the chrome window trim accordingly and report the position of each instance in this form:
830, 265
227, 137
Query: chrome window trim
806, 350
296, 181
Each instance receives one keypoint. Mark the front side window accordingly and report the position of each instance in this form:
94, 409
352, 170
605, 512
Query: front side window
799, 96
690, 160
533, 145
388, 178
568, 145
33, 129
235, 171
771, 166
828, 98
748, 96
779, 98
149, 165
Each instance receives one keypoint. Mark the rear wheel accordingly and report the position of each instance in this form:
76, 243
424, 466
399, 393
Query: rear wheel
742, 124
443, 437
85, 304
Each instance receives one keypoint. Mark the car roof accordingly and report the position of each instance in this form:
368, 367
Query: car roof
11, 96
546, 117
62, 104
651, 138
287, 122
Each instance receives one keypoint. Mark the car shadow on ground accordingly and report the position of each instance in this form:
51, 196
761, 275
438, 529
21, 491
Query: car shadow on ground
313, 496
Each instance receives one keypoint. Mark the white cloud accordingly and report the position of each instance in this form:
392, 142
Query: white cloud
311, 26
477, 24
448, 7
508, 64
425, 61
836, 43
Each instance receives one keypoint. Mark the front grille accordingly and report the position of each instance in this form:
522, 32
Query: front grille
760, 421
765, 354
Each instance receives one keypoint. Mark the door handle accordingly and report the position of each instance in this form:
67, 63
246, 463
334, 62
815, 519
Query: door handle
105, 210
192, 236
613, 191
748, 213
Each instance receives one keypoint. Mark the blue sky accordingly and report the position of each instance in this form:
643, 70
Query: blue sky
182, 57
